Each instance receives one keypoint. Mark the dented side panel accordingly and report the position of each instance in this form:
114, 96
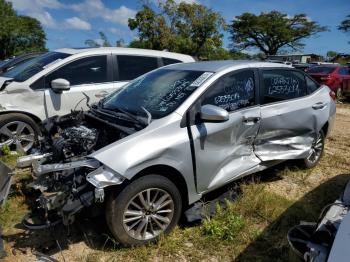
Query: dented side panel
289, 128
163, 142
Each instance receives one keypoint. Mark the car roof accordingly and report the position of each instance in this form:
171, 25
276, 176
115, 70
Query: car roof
216, 66
129, 51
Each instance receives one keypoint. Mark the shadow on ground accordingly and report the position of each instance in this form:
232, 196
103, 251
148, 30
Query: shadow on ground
271, 244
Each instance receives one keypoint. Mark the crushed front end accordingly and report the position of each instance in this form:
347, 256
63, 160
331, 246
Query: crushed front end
66, 179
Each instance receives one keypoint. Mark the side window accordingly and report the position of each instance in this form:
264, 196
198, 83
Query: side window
86, 70
232, 91
311, 85
169, 61
131, 67
344, 71
282, 84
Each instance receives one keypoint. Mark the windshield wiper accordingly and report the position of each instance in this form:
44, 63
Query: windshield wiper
149, 115
115, 114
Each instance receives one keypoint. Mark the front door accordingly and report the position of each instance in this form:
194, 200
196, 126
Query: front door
224, 150
89, 75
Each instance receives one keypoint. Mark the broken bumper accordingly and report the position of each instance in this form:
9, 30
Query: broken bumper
5, 181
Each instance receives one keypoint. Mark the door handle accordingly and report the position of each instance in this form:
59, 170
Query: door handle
248, 120
101, 94
319, 105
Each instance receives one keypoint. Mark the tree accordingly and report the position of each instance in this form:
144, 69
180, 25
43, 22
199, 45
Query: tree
331, 55
18, 34
179, 27
345, 25
271, 32
102, 41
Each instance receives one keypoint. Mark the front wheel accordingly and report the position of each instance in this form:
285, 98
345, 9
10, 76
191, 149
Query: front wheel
316, 151
144, 209
18, 131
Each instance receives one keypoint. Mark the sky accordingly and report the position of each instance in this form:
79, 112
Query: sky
70, 23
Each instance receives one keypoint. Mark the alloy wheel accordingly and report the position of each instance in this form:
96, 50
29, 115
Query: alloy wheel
18, 135
316, 149
148, 214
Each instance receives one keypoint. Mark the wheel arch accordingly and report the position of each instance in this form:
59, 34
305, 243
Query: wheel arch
172, 174
34, 117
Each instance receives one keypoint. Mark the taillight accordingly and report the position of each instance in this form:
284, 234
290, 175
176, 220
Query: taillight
332, 95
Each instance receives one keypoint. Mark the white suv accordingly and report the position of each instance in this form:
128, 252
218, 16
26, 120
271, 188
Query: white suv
59, 81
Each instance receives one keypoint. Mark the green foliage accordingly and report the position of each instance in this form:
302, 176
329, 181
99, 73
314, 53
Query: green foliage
18, 34
186, 28
270, 32
226, 225
345, 25
94, 43
5, 150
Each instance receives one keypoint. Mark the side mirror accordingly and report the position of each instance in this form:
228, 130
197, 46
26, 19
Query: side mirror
211, 113
59, 85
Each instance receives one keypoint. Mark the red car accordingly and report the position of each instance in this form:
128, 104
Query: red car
336, 77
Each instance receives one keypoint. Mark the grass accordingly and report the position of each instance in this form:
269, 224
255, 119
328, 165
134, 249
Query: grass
251, 228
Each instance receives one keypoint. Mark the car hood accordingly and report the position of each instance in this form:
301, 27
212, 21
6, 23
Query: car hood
4, 79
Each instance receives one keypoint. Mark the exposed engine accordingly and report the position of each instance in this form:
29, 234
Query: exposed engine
63, 172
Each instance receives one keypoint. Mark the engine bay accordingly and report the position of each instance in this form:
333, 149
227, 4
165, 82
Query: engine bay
62, 168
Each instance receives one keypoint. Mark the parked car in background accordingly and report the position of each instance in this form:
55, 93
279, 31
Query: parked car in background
336, 77
173, 135
57, 82
16, 61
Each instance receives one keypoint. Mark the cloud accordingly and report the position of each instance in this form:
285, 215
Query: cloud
96, 8
76, 23
37, 9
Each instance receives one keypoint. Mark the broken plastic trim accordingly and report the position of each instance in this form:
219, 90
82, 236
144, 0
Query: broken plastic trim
103, 177
44, 225
27, 161
48, 168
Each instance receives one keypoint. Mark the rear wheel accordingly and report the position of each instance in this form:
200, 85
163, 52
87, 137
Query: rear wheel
339, 93
316, 151
144, 209
17, 131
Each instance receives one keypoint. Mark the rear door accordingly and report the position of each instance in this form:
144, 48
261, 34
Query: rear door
291, 114
223, 151
345, 78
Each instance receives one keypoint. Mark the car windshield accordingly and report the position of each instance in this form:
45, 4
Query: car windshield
158, 93
33, 66
321, 70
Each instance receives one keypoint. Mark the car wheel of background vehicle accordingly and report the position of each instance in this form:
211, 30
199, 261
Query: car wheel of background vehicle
18, 131
316, 151
144, 209
339, 92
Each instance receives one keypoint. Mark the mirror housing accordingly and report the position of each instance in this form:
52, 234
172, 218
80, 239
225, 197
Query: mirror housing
59, 85
211, 113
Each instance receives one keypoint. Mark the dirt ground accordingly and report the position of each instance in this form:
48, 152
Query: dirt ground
88, 240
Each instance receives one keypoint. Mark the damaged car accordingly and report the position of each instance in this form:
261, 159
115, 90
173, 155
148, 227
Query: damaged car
149, 150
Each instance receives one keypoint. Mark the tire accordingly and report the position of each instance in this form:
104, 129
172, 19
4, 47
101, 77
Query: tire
127, 233
339, 93
20, 132
316, 152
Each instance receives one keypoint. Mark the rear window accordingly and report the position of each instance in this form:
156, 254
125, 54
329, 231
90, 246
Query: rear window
169, 61
131, 67
321, 70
